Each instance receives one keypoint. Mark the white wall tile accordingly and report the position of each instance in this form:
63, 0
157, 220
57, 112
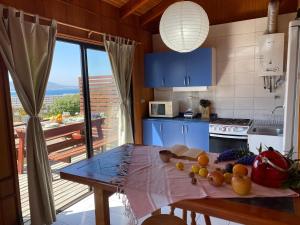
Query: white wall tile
225, 91
243, 114
224, 103
243, 103
245, 53
224, 53
264, 103
244, 91
163, 94
225, 79
225, 113
244, 78
225, 67
244, 65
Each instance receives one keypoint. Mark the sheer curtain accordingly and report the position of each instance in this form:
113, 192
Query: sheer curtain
121, 55
27, 50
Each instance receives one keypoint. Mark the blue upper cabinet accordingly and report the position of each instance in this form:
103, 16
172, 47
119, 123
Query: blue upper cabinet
200, 68
197, 135
154, 70
164, 69
173, 69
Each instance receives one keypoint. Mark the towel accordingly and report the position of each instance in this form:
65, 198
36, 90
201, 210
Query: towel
151, 184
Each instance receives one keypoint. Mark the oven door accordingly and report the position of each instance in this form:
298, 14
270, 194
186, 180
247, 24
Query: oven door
219, 143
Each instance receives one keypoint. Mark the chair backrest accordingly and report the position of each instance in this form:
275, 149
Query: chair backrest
163, 219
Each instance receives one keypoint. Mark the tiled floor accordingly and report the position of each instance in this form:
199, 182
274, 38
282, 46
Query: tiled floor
82, 213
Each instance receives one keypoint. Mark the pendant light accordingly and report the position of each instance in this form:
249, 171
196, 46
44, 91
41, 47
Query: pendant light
184, 26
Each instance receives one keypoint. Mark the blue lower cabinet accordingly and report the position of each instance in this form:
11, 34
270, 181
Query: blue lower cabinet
172, 133
152, 132
197, 135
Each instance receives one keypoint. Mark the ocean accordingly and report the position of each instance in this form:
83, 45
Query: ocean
55, 92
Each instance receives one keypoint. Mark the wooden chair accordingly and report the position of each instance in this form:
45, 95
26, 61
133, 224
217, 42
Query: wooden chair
155, 219
164, 219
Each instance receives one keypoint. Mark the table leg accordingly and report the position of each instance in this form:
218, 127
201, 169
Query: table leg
21, 155
101, 206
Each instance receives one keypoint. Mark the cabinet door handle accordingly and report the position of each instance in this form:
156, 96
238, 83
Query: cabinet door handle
189, 79
186, 129
163, 82
184, 81
182, 129
160, 127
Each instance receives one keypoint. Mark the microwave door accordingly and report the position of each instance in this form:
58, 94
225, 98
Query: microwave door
158, 109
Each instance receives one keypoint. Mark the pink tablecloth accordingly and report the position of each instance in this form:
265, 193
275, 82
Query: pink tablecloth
152, 184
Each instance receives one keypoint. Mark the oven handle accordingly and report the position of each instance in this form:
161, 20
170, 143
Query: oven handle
228, 136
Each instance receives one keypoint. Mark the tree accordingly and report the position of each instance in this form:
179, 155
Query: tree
67, 103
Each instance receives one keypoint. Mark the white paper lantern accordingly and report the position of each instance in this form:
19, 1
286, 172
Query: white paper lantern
184, 26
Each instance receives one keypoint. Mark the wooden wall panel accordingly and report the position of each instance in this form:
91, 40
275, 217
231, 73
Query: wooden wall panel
141, 95
93, 14
102, 17
9, 192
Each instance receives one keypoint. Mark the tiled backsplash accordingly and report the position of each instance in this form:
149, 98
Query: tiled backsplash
239, 92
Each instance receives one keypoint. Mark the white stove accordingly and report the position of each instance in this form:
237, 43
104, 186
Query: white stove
227, 134
235, 128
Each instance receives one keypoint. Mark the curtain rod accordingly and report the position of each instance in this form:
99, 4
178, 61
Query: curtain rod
90, 32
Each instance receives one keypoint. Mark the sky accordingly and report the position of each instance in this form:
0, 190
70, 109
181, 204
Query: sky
66, 65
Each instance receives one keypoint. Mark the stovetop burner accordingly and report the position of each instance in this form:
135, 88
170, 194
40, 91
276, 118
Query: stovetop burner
229, 121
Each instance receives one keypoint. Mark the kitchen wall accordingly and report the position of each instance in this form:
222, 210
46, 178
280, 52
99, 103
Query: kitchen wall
239, 92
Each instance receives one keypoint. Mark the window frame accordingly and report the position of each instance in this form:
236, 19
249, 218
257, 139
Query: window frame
85, 90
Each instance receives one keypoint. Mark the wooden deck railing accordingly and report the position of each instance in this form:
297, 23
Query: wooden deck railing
104, 99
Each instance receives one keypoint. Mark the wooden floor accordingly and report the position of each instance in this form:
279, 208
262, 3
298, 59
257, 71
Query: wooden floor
64, 191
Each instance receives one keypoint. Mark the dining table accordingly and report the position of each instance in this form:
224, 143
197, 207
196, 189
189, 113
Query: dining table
59, 136
99, 171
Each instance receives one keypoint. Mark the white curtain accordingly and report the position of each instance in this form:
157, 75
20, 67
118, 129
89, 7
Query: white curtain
121, 55
27, 50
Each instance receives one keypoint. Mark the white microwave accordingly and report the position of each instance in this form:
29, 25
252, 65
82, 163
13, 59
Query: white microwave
163, 108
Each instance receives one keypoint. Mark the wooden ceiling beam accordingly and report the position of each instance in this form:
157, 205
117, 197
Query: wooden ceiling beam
156, 11
130, 7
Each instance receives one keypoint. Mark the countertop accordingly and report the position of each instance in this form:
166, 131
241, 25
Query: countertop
196, 119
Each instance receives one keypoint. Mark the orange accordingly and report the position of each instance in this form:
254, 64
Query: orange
203, 160
239, 169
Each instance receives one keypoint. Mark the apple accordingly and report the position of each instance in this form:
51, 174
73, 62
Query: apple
215, 178
228, 178
241, 184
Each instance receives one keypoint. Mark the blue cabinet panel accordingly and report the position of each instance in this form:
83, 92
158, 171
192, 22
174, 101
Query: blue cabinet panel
174, 69
199, 67
196, 135
152, 132
154, 70
172, 133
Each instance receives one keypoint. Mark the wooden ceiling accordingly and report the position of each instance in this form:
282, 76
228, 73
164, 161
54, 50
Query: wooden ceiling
219, 11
